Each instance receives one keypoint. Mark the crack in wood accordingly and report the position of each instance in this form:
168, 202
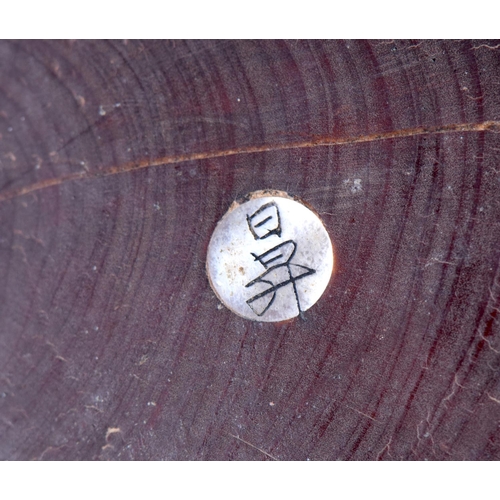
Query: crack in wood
487, 126
253, 446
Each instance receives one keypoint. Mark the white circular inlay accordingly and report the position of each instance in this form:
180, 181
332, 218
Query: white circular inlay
269, 258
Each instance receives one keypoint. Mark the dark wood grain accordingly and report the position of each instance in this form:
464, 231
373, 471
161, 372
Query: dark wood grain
117, 159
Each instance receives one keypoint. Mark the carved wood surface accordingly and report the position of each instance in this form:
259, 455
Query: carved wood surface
117, 159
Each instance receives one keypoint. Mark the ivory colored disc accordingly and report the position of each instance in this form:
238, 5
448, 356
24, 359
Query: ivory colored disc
269, 258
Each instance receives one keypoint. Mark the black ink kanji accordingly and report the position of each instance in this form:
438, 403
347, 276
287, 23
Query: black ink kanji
265, 221
279, 273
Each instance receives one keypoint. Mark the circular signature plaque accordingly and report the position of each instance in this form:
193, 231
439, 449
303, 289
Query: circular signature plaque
269, 258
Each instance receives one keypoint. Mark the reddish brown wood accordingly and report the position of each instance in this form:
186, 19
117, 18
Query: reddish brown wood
116, 161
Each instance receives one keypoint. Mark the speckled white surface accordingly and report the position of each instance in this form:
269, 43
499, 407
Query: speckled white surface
231, 265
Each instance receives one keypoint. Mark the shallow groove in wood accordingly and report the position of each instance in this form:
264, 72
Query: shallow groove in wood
487, 126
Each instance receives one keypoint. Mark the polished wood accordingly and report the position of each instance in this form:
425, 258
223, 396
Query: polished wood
117, 159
